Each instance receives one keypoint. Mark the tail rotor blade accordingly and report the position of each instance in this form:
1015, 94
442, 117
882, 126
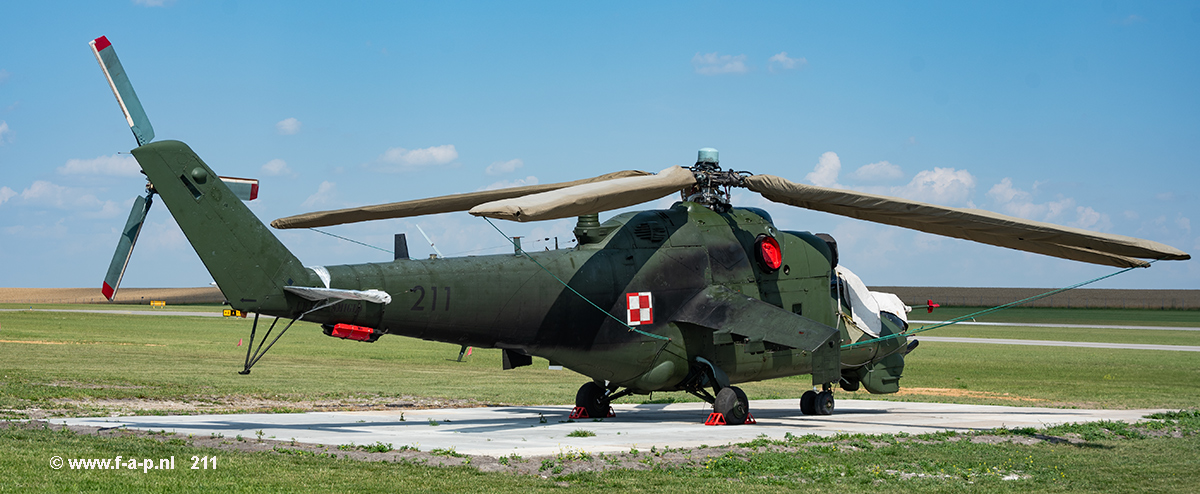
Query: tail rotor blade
135, 116
133, 226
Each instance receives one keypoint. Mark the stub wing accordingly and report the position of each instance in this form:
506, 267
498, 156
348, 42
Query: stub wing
726, 311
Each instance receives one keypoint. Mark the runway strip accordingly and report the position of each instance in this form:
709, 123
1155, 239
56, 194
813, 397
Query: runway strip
1080, 344
1052, 325
124, 312
542, 430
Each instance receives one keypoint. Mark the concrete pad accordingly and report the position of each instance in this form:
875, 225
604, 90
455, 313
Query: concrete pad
501, 431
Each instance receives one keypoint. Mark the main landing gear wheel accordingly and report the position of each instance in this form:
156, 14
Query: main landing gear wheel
591, 397
733, 404
808, 402
824, 403
814, 403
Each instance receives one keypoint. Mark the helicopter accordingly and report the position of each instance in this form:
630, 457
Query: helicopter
695, 298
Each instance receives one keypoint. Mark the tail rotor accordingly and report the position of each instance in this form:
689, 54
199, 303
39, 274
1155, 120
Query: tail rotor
245, 189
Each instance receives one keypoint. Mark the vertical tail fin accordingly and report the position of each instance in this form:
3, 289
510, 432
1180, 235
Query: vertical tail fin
248, 263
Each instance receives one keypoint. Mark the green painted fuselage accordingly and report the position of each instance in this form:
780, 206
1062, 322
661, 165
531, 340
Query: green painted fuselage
699, 266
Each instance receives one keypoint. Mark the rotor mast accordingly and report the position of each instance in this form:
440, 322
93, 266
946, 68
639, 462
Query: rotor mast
712, 183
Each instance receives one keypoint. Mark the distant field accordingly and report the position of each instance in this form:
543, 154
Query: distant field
199, 295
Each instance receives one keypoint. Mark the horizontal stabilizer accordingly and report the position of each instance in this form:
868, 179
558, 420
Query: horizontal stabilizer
245, 189
135, 116
376, 296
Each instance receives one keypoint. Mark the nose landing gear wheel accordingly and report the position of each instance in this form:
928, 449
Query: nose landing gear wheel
591, 397
733, 404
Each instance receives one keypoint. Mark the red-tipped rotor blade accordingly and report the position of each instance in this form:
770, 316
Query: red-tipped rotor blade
133, 226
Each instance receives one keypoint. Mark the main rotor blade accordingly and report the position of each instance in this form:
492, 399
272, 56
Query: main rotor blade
588, 198
970, 224
433, 205
133, 226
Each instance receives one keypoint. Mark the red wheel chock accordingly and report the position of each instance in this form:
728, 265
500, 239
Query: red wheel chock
717, 418
582, 413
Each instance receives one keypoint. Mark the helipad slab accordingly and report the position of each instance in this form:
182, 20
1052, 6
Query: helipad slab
542, 430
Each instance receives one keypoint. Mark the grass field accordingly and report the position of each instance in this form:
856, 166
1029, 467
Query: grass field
83, 363
55, 364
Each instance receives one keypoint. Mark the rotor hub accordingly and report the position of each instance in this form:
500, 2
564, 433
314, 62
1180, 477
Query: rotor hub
712, 189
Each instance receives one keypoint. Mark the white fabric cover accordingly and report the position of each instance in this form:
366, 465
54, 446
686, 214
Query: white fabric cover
376, 296
889, 302
863, 307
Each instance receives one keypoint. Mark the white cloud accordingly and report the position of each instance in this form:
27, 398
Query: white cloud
3, 76
882, 171
413, 158
501, 167
109, 209
713, 64
944, 186
288, 126
781, 61
1016, 202
44, 193
6, 194
826, 172
5, 132
153, 3
324, 195
1090, 219
517, 182
114, 165
275, 168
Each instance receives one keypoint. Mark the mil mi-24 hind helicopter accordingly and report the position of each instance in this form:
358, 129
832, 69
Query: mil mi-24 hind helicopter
695, 298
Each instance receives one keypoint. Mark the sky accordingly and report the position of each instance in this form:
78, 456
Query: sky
1078, 113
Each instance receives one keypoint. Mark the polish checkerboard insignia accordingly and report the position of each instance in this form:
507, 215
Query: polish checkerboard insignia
641, 308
